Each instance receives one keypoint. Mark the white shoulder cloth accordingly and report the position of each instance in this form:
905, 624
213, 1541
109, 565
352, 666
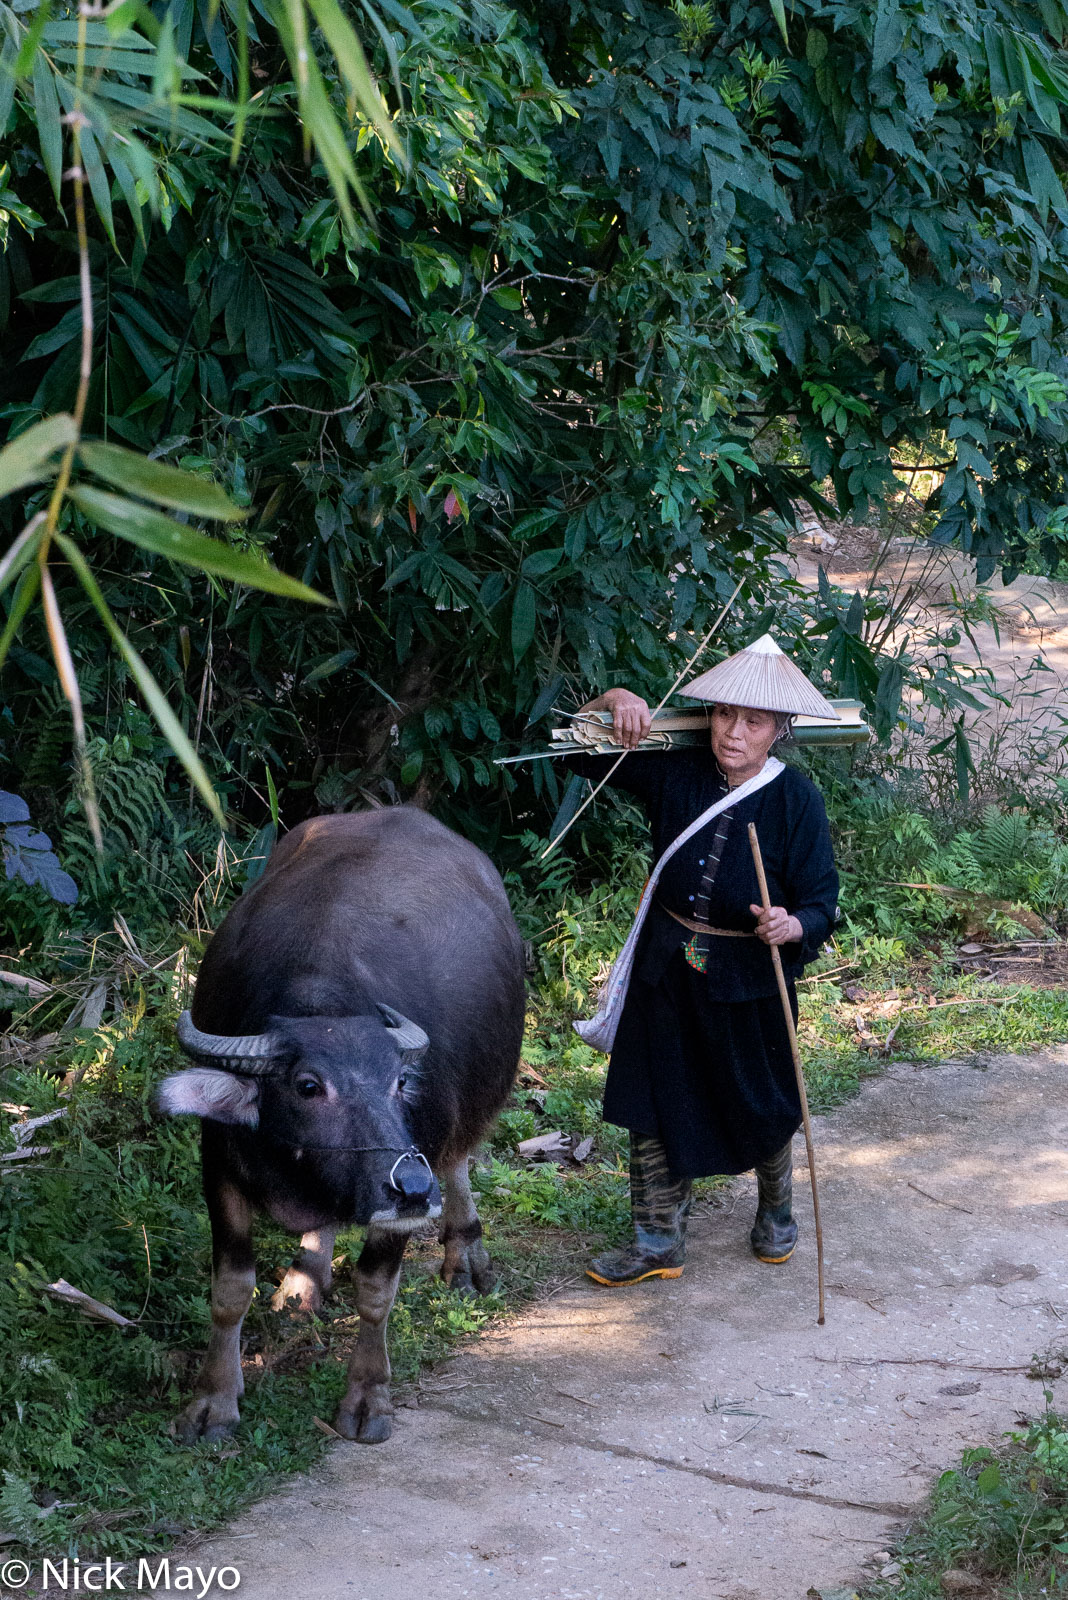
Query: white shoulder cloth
600, 1031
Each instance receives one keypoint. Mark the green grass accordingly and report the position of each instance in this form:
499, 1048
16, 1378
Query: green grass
1001, 1517
86, 1409
930, 1016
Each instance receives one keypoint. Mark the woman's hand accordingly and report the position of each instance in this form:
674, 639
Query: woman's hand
631, 718
777, 926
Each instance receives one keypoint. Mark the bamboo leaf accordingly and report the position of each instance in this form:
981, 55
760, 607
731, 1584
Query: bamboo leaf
160, 482
352, 63
778, 11
28, 458
388, 45
7, 79
49, 126
155, 699
166, 77
21, 550
524, 618
98, 183
68, 679
26, 592
150, 529
321, 127
31, 40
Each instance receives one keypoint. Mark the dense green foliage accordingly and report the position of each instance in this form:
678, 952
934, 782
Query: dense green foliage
641, 278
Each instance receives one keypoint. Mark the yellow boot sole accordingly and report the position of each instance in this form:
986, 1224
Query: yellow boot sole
775, 1261
625, 1283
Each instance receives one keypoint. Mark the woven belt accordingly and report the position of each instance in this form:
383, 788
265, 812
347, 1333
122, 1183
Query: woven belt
705, 927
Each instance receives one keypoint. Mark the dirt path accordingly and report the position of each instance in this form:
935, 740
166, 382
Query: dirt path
704, 1437
1028, 625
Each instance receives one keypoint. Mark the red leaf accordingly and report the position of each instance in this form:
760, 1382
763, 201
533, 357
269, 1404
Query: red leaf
452, 505
411, 514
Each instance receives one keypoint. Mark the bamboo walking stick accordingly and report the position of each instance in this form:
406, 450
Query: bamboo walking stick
776, 960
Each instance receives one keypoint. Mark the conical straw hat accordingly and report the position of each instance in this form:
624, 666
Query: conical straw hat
762, 677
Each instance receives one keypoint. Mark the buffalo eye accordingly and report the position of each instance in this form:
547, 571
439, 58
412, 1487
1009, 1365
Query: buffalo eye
308, 1088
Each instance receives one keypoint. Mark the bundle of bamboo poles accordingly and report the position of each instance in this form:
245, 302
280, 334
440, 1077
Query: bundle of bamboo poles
590, 732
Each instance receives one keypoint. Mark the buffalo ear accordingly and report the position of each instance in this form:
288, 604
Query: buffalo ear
219, 1096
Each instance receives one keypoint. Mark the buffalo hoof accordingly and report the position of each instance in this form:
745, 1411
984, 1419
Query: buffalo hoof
363, 1426
468, 1271
298, 1292
205, 1419
366, 1415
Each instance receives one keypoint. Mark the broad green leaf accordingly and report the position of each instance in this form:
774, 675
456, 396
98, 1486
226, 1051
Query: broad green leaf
541, 562
159, 481
153, 531
888, 35
28, 458
155, 699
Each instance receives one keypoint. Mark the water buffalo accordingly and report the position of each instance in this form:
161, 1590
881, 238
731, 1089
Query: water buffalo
356, 1025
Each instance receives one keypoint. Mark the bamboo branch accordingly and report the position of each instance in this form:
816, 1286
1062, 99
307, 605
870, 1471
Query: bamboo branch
709, 636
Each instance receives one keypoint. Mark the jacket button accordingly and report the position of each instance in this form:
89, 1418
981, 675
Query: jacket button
691, 898
701, 862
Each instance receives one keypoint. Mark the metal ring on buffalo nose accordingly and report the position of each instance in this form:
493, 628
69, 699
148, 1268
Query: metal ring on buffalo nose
408, 1155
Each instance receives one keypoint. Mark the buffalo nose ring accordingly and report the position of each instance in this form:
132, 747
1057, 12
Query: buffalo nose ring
412, 1181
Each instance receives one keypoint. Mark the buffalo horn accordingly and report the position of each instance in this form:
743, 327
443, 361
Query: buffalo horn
407, 1035
251, 1053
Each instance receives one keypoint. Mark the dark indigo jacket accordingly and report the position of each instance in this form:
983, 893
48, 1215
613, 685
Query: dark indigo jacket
674, 787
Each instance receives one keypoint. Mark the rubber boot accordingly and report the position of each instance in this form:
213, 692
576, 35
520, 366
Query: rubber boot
774, 1232
659, 1207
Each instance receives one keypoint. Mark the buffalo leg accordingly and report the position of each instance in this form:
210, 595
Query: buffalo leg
467, 1265
213, 1411
366, 1412
309, 1275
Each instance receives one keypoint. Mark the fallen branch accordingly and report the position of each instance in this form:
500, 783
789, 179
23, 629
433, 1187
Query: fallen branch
22, 1130
819, 977
32, 986
911, 1361
577, 1398
979, 1000
937, 1201
70, 1296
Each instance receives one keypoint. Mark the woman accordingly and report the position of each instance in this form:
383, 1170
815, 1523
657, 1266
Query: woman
701, 1072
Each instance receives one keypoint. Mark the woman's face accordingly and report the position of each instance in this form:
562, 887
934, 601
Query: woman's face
741, 739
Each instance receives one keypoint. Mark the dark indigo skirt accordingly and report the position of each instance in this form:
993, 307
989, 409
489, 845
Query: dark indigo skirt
713, 1080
